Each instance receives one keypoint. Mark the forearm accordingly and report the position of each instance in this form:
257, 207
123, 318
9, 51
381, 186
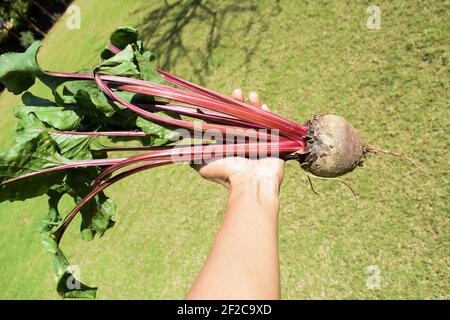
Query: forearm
243, 262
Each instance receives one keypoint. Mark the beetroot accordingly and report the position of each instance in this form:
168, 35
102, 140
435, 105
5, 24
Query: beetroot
334, 147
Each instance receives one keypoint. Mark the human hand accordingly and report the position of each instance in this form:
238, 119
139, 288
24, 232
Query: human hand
238, 171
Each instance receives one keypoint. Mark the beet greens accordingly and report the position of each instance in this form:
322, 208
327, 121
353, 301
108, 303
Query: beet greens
65, 145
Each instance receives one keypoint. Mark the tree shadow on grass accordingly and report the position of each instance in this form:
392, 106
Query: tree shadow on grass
169, 29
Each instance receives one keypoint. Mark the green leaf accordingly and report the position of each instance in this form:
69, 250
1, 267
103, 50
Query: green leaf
96, 214
73, 147
99, 112
122, 64
30, 99
163, 134
120, 38
126, 39
92, 101
58, 118
102, 216
89, 98
34, 150
124, 36
68, 284
53, 218
147, 67
26, 120
18, 70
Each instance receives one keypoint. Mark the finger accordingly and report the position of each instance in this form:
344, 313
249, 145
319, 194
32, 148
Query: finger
265, 107
238, 95
253, 99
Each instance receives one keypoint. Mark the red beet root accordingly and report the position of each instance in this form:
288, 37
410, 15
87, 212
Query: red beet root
334, 147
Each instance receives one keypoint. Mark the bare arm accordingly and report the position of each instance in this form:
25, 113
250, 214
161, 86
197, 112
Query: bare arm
243, 262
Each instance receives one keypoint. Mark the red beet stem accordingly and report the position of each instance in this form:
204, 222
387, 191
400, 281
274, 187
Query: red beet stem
103, 133
196, 113
217, 96
223, 129
192, 153
159, 158
220, 103
251, 116
100, 188
72, 165
113, 48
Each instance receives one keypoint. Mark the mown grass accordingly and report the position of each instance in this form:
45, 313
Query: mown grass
303, 58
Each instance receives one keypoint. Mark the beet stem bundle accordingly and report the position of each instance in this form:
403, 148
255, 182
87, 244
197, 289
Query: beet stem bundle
236, 118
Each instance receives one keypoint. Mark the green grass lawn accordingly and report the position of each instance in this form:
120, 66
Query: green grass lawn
392, 84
